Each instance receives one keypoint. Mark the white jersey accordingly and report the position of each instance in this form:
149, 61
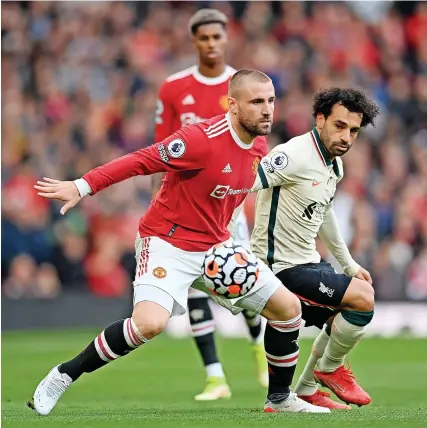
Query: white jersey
241, 235
299, 183
239, 229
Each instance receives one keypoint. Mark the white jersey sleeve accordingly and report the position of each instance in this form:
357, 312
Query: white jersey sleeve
330, 234
279, 167
239, 229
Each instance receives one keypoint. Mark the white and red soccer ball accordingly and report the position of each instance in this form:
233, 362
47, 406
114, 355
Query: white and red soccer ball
230, 270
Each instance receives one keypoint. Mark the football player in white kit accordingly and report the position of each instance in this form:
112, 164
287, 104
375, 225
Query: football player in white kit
299, 179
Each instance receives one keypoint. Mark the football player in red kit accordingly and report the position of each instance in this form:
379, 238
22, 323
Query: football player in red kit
189, 215
185, 98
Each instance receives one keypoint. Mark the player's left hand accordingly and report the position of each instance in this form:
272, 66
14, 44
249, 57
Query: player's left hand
364, 275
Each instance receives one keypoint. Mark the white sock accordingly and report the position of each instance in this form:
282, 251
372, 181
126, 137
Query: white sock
344, 337
215, 370
306, 383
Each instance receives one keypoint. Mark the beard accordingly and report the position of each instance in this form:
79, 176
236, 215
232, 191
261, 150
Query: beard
254, 127
339, 149
333, 147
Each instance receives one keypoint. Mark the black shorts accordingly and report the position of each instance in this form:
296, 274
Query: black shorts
319, 288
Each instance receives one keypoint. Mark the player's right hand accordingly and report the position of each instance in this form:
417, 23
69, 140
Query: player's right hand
65, 191
364, 275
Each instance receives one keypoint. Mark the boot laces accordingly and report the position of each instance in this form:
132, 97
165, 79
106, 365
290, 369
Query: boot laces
56, 386
347, 373
323, 393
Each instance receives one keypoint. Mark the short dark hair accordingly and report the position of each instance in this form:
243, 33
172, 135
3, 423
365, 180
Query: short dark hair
238, 76
206, 16
354, 100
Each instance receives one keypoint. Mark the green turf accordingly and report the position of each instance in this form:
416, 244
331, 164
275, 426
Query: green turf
154, 386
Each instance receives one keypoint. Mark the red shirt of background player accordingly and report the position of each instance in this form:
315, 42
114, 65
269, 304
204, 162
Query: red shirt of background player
210, 171
189, 97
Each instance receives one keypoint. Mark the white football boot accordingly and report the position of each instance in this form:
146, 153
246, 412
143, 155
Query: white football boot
293, 404
48, 391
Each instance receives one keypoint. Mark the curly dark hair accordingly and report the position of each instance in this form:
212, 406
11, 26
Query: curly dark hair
354, 100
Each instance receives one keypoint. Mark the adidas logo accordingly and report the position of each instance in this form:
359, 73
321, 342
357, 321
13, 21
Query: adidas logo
227, 168
189, 99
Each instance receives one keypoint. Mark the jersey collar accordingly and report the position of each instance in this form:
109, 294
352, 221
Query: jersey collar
236, 138
321, 150
211, 81
320, 147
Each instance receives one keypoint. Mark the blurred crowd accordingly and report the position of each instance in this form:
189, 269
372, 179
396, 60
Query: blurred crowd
79, 85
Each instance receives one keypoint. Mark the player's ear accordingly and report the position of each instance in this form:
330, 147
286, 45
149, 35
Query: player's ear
320, 120
194, 40
232, 105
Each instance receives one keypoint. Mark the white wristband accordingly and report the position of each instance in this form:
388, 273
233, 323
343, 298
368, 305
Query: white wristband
83, 187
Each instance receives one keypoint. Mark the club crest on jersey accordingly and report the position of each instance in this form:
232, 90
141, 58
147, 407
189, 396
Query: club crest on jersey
176, 148
255, 165
326, 290
223, 102
159, 272
279, 160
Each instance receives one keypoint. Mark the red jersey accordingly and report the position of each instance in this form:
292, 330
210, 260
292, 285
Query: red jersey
189, 97
210, 172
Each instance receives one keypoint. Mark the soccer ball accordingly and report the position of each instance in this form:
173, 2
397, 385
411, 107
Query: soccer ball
230, 270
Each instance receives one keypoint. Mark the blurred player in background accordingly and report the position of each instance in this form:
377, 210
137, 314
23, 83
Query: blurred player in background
300, 179
185, 98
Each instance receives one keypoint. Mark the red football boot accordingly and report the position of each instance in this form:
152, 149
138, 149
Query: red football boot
321, 398
343, 384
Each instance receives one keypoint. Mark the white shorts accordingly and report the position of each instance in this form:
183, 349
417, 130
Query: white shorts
164, 275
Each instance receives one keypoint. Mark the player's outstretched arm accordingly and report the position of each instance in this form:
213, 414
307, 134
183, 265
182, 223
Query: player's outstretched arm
187, 149
65, 191
330, 234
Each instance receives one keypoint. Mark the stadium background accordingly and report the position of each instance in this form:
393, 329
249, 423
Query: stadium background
79, 84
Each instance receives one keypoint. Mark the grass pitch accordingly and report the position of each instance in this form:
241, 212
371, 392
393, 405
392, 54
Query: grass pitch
154, 387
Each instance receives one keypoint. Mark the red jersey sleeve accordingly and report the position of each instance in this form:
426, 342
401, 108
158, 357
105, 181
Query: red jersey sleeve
186, 149
165, 114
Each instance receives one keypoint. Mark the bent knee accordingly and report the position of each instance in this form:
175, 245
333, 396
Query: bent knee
282, 306
366, 298
150, 328
294, 307
150, 319
290, 309
361, 296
